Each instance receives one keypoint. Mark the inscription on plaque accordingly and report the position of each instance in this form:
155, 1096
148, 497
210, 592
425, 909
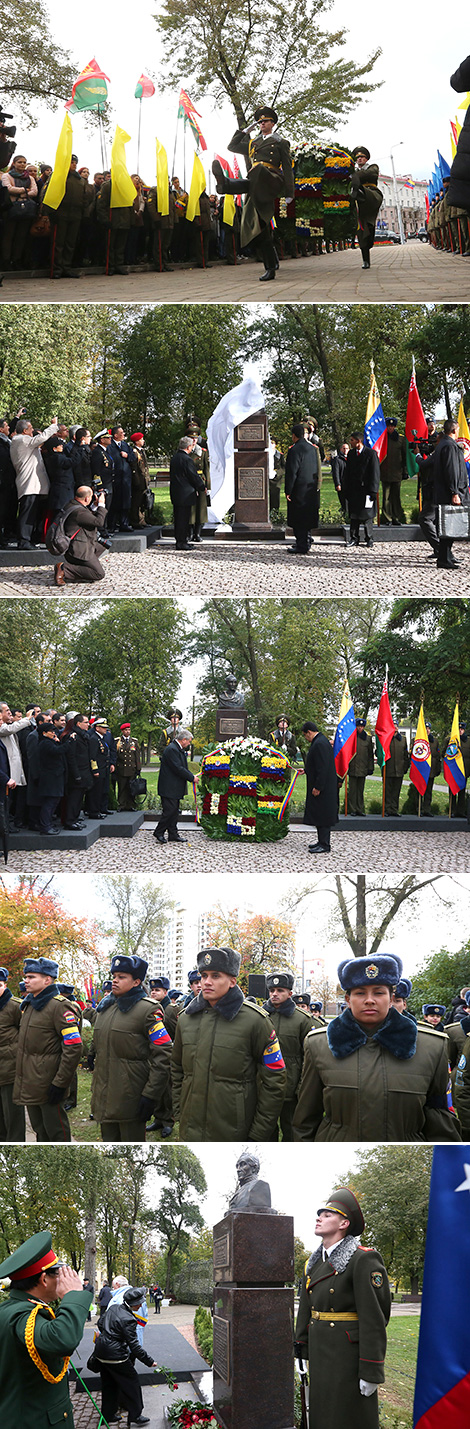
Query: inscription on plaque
231, 727
253, 433
221, 1347
251, 483
221, 1252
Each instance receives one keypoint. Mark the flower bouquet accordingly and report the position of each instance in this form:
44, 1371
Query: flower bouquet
244, 790
322, 174
185, 1413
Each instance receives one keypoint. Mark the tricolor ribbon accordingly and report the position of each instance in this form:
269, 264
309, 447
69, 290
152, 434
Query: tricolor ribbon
288, 795
195, 802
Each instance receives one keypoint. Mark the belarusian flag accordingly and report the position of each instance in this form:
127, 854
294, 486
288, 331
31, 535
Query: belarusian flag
144, 88
416, 427
420, 767
384, 727
90, 89
187, 111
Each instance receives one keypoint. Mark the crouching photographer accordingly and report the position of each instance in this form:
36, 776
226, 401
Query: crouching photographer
83, 519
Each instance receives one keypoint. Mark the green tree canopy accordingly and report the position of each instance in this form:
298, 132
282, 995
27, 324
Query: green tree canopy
426, 645
140, 912
441, 977
126, 660
177, 1216
37, 65
393, 1190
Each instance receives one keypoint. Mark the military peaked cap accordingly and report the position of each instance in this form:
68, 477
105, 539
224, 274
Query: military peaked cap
34, 1256
345, 1204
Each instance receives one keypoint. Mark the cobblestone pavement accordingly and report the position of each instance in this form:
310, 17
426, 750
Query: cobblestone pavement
356, 852
398, 569
407, 274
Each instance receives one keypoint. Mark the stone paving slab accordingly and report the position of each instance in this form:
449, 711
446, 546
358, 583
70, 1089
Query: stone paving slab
163, 1341
412, 273
400, 569
358, 853
156, 1400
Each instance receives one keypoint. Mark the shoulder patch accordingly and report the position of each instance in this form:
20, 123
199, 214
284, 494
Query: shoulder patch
253, 1007
425, 1027
376, 1279
70, 1016
462, 1063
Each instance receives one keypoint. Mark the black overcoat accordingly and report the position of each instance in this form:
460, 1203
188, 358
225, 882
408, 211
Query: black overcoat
458, 192
450, 473
52, 769
184, 479
361, 479
174, 774
321, 810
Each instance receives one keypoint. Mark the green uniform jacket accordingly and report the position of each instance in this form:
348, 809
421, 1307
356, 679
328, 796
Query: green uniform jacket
116, 217
49, 1049
228, 1080
400, 758
462, 1080
132, 1050
291, 1031
170, 1019
455, 1041
362, 762
10, 1013
371, 1092
26, 1397
343, 1352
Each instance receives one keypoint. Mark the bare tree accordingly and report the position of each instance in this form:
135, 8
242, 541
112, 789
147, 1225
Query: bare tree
360, 902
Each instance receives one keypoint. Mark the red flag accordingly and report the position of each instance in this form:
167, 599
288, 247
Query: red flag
186, 103
187, 111
415, 425
384, 725
91, 69
426, 200
144, 88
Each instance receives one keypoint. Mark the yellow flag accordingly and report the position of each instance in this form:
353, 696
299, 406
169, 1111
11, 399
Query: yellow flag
462, 421
198, 184
122, 188
229, 208
163, 198
56, 186
458, 126
453, 145
465, 102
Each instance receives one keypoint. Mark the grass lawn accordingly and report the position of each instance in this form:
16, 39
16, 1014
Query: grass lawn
82, 1128
330, 510
372, 794
396, 1398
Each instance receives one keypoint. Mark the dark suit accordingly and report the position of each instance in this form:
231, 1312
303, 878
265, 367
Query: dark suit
124, 461
173, 779
301, 485
321, 809
450, 479
184, 481
361, 480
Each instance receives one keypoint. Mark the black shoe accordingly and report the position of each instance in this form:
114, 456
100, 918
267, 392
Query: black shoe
221, 183
197, 540
166, 268
369, 544
318, 848
143, 1419
166, 1130
126, 526
159, 837
101, 816
177, 841
366, 265
153, 1126
268, 276
25, 546
77, 828
397, 523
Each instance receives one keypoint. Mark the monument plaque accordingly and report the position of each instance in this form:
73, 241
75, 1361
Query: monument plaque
251, 446
221, 1251
251, 483
231, 726
253, 1316
221, 1347
250, 432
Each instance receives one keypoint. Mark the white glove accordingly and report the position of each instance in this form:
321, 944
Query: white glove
366, 1388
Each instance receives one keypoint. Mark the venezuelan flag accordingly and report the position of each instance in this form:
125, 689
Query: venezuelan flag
375, 430
272, 1055
442, 1392
420, 768
345, 740
453, 765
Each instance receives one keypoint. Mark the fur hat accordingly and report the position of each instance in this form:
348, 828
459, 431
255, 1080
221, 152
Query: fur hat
362, 972
219, 960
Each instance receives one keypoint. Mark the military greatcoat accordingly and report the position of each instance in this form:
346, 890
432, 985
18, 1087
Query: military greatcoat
26, 1396
352, 1283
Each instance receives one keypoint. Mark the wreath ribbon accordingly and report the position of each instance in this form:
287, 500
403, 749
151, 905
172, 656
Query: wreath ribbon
288, 795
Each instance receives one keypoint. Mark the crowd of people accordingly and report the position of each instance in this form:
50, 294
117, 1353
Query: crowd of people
220, 1066
56, 768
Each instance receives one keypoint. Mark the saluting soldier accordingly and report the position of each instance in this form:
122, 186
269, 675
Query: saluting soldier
342, 1320
228, 1072
128, 766
395, 769
291, 1025
372, 1074
131, 1051
35, 1341
12, 1119
170, 731
362, 764
270, 174
369, 198
49, 1051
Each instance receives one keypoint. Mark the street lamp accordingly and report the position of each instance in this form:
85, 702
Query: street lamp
395, 190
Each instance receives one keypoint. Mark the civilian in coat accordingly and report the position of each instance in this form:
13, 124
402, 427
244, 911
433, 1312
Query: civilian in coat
8, 496
184, 481
123, 458
81, 562
450, 485
361, 484
51, 782
32, 481
338, 468
321, 804
173, 778
80, 773
303, 469
60, 472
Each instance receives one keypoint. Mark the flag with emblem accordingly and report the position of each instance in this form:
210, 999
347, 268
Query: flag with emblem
144, 88
191, 115
272, 1055
384, 727
90, 90
442, 1394
453, 767
345, 740
158, 1034
420, 767
416, 427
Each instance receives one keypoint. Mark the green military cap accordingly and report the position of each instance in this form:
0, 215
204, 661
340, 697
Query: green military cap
31, 1258
345, 1204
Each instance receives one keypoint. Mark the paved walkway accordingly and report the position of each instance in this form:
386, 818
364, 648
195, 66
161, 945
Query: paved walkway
357, 853
413, 273
222, 569
157, 1397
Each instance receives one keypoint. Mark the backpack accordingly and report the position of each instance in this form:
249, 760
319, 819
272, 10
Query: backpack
56, 539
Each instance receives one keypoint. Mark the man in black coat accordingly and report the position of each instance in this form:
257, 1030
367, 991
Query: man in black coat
51, 780
8, 494
458, 192
184, 481
361, 484
321, 803
60, 472
338, 468
303, 468
172, 781
450, 485
80, 773
270, 174
124, 463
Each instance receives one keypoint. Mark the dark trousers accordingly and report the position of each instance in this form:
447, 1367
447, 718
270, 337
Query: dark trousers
8, 507
74, 804
122, 1130
392, 509
168, 818
355, 523
121, 499
181, 515
393, 783
304, 518
95, 797
161, 239
356, 793
12, 1122
120, 1386
28, 512
125, 801
50, 1123
48, 808
324, 836
66, 236
427, 521
443, 551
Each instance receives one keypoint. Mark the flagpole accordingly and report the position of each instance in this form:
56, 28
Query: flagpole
184, 155
383, 790
419, 806
138, 135
174, 150
346, 792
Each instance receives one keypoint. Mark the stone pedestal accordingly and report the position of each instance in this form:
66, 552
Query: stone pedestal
253, 1321
230, 724
250, 446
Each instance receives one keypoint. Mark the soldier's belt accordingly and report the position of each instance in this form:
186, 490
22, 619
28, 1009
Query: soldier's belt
263, 164
333, 1315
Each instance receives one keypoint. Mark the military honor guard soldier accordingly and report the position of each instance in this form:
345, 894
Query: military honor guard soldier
270, 174
361, 764
130, 1055
12, 1118
49, 1050
342, 1320
291, 1025
35, 1341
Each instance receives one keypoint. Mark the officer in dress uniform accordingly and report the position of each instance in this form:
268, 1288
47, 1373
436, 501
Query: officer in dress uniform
291, 1025
128, 766
131, 1054
270, 174
344, 1310
12, 1119
364, 187
35, 1341
395, 769
362, 764
102, 464
49, 1050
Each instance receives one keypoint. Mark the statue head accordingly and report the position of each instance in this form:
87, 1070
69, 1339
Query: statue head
247, 1167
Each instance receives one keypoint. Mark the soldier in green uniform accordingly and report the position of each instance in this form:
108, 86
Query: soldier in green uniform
170, 730
458, 1035
291, 1025
12, 1119
67, 990
364, 188
342, 1321
392, 473
316, 1009
118, 222
433, 1013
395, 769
228, 1072
400, 997
128, 766
66, 221
362, 764
49, 1050
270, 174
158, 987
162, 231
372, 1074
131, 1051
35, 1341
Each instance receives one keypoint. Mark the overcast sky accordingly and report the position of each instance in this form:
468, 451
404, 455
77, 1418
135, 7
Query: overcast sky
414, 105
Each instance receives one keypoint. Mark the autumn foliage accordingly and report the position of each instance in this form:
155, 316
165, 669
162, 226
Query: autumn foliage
34, 923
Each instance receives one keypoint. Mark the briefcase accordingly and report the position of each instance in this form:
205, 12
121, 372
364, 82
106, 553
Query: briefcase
453, 522
137, 786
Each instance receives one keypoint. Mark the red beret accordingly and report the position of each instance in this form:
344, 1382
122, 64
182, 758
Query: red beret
125, 726
136, 436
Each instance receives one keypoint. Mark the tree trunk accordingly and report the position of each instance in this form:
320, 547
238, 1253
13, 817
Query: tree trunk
447, 400
414, 1284
254, 672
90, 1246
361, 922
